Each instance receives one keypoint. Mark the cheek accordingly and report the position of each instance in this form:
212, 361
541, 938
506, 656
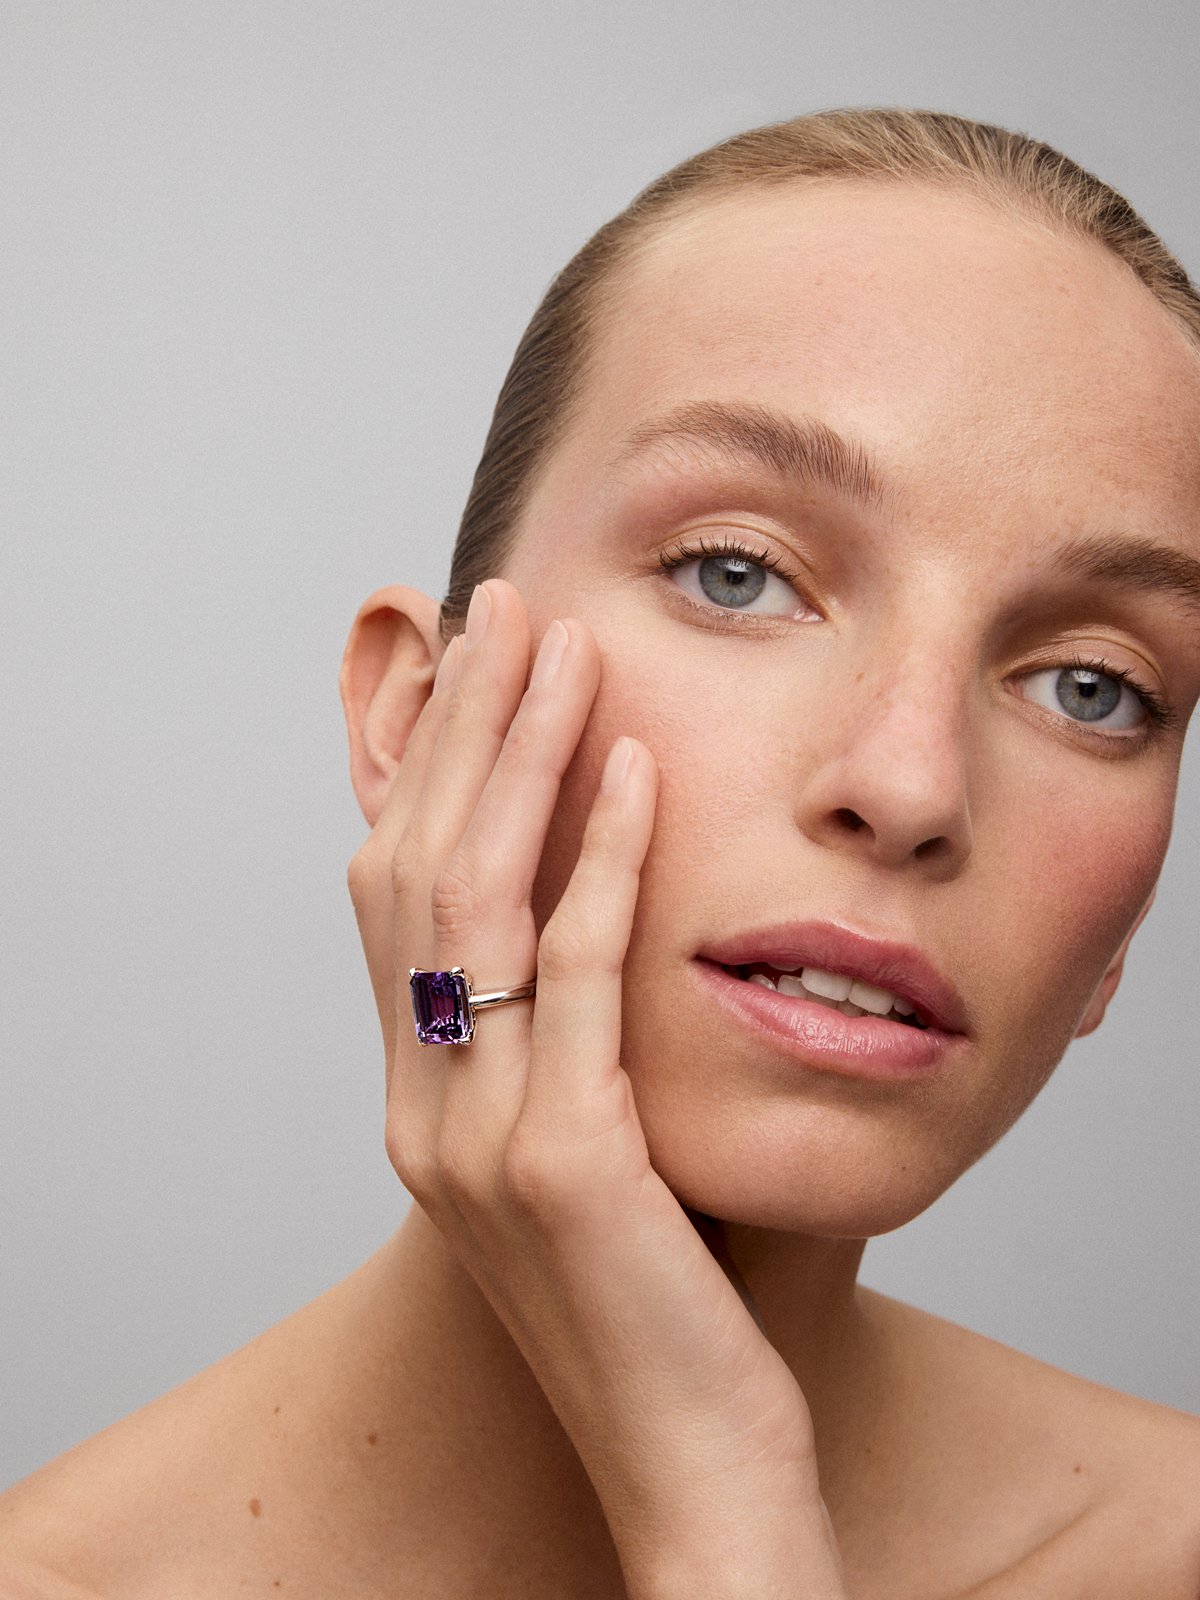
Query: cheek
1052, 892
1081, 867
675, 724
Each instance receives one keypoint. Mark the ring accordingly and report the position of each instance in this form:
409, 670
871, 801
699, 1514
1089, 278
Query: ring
444, 1004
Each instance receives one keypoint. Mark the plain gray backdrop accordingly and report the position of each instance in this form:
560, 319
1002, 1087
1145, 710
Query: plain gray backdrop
264, 268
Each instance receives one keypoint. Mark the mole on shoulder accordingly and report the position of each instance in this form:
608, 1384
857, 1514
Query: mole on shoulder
372, 1438
276, 1413
256, 1508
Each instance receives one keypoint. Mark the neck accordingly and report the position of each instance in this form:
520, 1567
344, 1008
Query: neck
467, 1447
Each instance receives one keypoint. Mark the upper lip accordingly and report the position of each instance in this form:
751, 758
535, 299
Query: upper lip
902, 968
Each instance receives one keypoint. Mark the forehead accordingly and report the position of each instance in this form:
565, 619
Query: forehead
968, 347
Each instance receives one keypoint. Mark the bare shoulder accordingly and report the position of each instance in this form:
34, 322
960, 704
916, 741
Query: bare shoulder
104, 1516
1107, 1484
170, 1498
25, 1579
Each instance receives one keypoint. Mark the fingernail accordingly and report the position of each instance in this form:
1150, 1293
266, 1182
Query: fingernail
478, 613
616, 768
446, 666
550, 653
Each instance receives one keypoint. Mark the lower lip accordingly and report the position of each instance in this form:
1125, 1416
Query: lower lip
818, 1036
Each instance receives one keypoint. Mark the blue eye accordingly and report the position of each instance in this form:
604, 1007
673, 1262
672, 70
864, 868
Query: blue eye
1091, 691
731, 577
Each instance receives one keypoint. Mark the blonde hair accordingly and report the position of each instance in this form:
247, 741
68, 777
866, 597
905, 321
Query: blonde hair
890, 144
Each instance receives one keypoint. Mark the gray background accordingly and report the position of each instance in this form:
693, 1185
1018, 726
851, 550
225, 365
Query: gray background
264, 267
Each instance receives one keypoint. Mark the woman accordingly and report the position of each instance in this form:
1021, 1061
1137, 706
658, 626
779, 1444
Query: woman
836, 545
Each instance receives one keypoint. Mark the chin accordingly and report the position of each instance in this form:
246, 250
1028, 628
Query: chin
815, 1171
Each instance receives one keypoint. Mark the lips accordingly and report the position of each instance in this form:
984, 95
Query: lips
902, 968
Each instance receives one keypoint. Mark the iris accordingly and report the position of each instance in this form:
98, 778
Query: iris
1089, 695
728, 580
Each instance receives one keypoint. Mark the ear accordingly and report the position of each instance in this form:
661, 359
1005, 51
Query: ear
1107, 987
388, 668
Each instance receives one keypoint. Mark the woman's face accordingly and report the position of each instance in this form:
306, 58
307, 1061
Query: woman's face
878, 739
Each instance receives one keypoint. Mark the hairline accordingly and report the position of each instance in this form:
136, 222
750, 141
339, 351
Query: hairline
602, 296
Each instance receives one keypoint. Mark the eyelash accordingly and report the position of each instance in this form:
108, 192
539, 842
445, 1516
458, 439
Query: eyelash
1157, 709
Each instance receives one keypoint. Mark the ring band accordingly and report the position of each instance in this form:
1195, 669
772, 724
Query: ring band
444, 1003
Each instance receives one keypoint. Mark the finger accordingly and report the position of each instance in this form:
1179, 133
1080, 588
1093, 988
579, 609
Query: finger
482, 703
409, 777
370, 876
575, 1081
479, 708
483, 914
502, 844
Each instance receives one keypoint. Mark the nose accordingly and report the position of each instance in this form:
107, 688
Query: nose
888, 776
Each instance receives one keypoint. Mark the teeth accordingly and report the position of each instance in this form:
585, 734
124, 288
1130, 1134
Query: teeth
851, 996
870, 998
866, 996
791, 985
831, 984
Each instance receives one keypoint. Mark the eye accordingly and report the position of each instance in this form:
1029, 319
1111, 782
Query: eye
1100, 697
728, 575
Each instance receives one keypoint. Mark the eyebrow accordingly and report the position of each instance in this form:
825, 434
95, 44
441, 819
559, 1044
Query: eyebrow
1143, 564
803, 449
808, 451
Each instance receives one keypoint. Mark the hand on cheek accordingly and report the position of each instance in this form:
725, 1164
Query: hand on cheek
524, 1145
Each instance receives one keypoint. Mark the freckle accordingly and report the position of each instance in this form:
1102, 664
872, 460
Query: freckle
256, 1508
1078, 1468
276, 1410
372, 1438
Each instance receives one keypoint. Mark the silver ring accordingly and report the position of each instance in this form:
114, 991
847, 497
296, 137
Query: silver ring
444, 1003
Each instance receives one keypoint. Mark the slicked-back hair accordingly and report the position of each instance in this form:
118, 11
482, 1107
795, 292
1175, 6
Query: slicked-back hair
1010, 170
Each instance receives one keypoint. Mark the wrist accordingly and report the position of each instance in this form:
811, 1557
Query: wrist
780, 1548
755, 1577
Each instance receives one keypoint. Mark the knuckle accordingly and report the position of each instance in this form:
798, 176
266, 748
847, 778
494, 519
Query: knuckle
456, 1176
357, 877
524, 743
456, 902
405, 861
572, 948
360, 872
534, 1184
409, 1160
565, 949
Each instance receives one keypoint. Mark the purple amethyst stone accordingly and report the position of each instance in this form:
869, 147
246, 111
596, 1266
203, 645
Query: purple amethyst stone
440, 1008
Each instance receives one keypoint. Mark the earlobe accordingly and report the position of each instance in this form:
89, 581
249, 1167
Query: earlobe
387, 671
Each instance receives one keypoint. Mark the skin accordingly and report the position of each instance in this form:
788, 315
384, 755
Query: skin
906, 716
883, 763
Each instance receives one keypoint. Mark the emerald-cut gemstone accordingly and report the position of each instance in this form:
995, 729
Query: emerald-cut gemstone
441, 1007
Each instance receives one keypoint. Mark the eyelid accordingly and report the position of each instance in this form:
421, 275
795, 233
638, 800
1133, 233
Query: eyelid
725, 545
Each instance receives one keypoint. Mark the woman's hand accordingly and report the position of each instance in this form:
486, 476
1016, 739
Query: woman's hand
524, 1147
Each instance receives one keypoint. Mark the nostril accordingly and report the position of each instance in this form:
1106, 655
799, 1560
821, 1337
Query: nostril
851, 818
